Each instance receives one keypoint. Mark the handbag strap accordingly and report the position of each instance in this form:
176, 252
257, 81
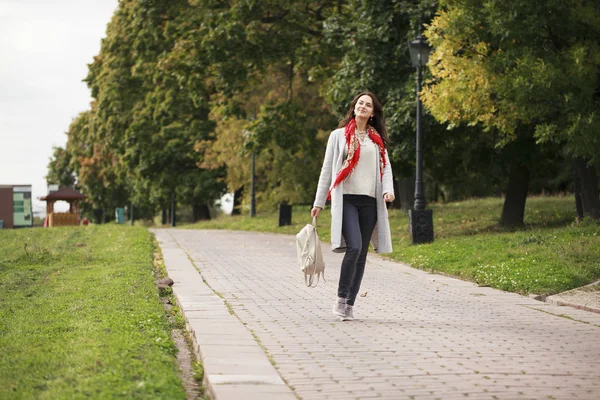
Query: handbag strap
309, 278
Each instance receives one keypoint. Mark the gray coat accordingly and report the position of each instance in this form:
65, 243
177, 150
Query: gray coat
332, 164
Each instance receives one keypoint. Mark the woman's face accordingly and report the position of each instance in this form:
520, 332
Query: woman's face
364, 107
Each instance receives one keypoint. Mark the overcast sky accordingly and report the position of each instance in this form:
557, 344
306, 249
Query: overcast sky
45, 46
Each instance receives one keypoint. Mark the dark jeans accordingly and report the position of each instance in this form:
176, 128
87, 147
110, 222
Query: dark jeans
359, 219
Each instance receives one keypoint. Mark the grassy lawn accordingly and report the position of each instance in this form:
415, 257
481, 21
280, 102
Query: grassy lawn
80, 316
550, 254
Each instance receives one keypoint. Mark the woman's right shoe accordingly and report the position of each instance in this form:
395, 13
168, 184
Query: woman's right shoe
348, 314
339, 307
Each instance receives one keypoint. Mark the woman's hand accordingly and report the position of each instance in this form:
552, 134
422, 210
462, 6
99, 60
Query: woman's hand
315, 212
388, 197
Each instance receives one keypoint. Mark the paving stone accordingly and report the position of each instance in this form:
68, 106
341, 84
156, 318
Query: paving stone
244, 379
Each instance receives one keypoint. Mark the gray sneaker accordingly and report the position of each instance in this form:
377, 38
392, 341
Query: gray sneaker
348, 314
339, 307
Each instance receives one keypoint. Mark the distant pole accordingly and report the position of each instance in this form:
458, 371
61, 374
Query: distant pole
252, 190
132, 214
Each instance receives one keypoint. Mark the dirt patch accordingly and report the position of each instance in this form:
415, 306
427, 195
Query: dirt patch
185, 360
185, 357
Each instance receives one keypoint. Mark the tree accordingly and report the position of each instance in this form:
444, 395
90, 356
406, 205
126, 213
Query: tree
59, 169
526, 70
264, 91
91, 166
116, 80
146, 116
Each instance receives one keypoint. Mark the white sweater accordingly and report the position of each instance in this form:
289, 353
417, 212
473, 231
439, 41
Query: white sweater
332, 163
363, 177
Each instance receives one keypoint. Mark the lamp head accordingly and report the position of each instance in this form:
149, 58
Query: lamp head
419, 52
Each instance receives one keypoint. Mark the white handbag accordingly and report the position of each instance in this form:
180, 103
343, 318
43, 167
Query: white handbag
310, 256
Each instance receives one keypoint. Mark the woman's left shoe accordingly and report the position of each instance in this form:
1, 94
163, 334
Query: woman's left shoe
348, 314
339, 307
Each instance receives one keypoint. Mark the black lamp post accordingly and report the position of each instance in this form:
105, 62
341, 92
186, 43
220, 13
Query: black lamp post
420, 219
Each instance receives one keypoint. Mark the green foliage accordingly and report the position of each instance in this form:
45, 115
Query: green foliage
506, 65
81, 316
239, 39
136, 144
260, 60
59, 169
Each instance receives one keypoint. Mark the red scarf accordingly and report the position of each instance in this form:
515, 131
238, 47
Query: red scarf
354, 153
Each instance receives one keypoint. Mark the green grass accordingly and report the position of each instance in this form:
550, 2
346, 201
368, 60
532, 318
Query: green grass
548, 255
80, 316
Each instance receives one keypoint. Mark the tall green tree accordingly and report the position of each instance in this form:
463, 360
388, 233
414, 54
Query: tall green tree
147, 117
527, 70
263, 60
116, 79
60, 171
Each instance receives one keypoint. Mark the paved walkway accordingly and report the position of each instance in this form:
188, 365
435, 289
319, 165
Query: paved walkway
262, 335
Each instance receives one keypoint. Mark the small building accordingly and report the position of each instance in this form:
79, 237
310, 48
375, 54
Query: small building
16, 208
69, 218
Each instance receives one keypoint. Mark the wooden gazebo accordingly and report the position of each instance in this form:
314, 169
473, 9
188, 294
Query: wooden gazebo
69, 218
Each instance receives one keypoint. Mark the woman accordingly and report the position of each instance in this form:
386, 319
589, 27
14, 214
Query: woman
357, 177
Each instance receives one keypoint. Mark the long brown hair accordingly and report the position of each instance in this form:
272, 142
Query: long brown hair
377, 121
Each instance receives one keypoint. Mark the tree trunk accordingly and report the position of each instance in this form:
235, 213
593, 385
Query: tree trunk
237, 201
406, 193
173, 211
164, 217
201, 212
98, 215
577, 190
587, 192
513, 210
